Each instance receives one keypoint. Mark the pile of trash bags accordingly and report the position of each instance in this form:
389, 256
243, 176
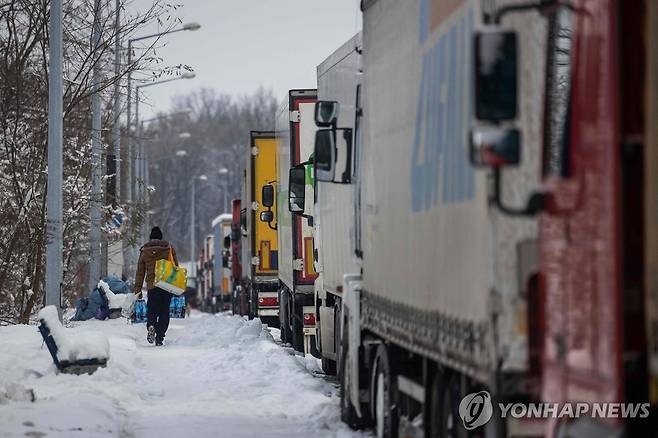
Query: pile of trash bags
112, 298
109, 299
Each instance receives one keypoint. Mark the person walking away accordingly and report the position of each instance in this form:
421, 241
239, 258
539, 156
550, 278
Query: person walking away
157, 311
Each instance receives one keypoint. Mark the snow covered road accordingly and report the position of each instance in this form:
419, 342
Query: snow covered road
217, 376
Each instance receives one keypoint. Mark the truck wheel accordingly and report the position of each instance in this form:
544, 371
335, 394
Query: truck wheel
338, 339
270, 321
383, 393
284, 320
329, 366
250, 310
347, 411
444, 421
297, 334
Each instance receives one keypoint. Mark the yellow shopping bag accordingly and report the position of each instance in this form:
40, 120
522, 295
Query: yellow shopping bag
170, 277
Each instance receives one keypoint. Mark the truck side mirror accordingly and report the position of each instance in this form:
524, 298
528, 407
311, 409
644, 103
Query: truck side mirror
227, 242
266, 216
297, 189
495, 75
494, 147
268, 195
324, 155
326, 113
333, 154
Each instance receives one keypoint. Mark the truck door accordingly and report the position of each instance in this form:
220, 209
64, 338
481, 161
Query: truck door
304, 138
265, 242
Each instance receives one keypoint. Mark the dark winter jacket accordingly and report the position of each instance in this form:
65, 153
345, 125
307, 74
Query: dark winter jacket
152, 251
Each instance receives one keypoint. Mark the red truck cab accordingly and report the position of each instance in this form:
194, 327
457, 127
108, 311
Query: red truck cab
592, 305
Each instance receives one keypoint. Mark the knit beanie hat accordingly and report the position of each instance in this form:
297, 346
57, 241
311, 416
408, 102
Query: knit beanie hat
156, 233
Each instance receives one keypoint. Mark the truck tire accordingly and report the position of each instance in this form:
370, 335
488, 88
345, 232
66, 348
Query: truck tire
297, 333
284, 312
329, 366
347, 412
270, 321
250, 307
444, 420
338, 339
383, 395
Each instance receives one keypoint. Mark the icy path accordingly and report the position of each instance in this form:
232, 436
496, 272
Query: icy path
217, 376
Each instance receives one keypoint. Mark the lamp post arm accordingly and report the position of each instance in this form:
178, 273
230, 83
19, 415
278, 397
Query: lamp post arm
145, 37
159, 82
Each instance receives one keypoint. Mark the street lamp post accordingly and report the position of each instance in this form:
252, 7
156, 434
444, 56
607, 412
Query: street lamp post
95, 214
116, 114
129, 160
224, 172
55, 160
193, 220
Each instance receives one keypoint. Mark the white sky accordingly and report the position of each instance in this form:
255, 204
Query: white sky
243, 44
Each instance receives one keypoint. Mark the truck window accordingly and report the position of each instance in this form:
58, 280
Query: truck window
243, 221
558, 92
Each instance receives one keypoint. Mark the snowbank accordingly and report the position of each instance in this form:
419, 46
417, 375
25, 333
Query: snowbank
11, 391
84, 345
217, 375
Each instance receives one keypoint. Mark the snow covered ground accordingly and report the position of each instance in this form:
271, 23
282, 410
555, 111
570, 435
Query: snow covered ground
217, 376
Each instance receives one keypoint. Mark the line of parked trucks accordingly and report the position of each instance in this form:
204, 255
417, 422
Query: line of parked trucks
468, 201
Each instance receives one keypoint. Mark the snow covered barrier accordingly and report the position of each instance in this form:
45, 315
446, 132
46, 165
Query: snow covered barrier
83, 353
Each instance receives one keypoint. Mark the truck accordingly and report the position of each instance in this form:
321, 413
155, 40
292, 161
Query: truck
295, 130
504, 222
260, 242
238, 304
337, 77
221, 267
204, 273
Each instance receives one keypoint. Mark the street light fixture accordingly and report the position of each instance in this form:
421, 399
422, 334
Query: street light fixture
191, 26
193, 221
167, 116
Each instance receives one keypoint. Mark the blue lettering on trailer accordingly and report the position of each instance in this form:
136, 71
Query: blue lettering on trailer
443, 117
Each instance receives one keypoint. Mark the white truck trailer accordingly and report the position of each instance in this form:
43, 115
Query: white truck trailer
295, 132
338, 77
438, 308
